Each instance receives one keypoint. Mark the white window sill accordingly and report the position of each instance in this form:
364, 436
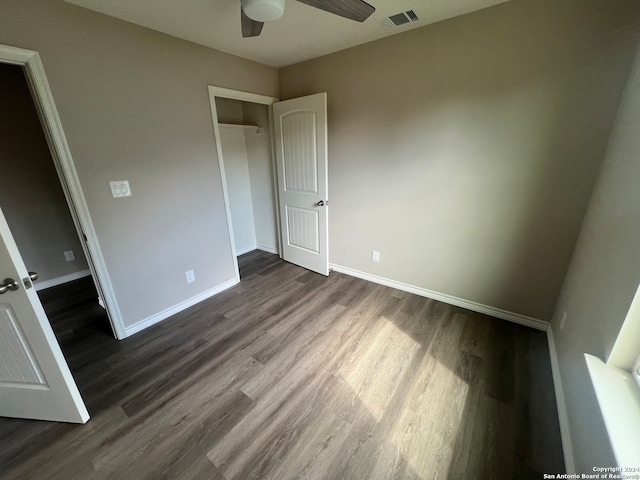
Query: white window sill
619, 399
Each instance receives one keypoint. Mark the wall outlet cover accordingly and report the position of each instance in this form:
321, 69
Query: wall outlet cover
375, 256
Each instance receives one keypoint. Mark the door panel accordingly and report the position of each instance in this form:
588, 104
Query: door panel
35, 381
300, 127
303, 227
17, 362
300, 152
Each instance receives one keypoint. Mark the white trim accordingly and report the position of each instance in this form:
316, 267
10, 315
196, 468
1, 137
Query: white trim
245, 97
158, 317
223, 180
274, 180
619, 402
242, 96
242, 251
561, 405
451, 300
626, 349
54, 282
63, 161
267, 249
251, 248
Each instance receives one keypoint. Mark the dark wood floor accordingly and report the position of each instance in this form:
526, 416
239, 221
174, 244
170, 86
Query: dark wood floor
294, 375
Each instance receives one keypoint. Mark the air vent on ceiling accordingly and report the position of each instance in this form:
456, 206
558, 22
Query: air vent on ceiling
399, 19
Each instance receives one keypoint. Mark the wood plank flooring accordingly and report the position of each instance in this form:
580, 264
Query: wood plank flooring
293, 375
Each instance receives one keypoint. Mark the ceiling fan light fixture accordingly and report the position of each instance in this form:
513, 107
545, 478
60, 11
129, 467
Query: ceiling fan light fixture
263, 10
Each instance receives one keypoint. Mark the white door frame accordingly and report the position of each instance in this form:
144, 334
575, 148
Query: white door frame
221, 92
30, 61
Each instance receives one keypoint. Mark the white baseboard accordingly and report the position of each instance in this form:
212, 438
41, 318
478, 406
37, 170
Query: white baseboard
54, 282
243, 250
251, 248
267, 249
451, 300
158, 317
563, 417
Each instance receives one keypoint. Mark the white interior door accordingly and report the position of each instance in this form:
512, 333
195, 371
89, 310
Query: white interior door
300, 127
35, 381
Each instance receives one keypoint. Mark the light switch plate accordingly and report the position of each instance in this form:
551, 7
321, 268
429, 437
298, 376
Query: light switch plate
69, 255
120, 188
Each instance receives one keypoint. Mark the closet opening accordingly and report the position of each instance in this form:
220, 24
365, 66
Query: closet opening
243, 131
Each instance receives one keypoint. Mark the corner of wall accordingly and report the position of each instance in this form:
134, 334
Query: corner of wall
561, 404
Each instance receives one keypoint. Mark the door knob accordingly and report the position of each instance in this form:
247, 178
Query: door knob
8, 284
322, 203
33, 276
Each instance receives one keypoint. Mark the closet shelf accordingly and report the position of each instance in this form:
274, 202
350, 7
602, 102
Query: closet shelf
246, 126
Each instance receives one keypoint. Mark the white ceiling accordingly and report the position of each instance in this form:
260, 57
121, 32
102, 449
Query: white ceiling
302, 33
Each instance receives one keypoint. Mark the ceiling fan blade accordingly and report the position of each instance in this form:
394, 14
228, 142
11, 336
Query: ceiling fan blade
357, 10
250, 28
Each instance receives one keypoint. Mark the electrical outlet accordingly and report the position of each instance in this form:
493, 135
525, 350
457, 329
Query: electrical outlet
563, 320
375, 256
69, 255
191, 277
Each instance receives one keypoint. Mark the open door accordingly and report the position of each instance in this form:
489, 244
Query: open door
35, 381
300, 128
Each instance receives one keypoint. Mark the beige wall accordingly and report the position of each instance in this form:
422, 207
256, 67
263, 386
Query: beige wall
259, 153
256, 113
31, 197
262, 189
134, 106
236, 170
602, 279
465, 151
229, 110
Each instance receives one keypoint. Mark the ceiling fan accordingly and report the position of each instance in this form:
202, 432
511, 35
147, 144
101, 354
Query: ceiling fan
254, 13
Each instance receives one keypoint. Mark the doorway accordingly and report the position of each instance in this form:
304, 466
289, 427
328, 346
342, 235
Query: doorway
30, 192
37, 213
297, 129
86, 252
242, 127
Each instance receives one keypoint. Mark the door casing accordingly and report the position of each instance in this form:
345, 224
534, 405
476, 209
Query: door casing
42, 97
219, 92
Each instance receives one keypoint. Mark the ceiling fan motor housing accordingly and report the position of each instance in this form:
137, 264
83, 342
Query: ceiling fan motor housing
263, 10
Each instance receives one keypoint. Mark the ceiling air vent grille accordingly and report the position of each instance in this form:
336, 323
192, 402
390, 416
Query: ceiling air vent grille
399, 19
